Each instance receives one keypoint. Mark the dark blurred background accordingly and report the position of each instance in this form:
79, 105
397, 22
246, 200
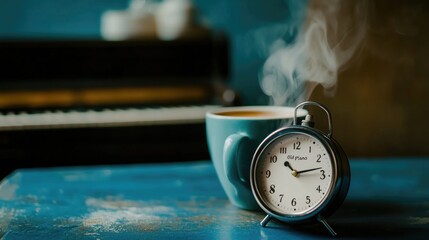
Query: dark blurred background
27, 19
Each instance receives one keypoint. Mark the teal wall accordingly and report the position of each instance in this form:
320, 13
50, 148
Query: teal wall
251, 25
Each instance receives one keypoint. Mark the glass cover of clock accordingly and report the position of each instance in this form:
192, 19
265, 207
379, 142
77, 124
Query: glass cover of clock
294, 174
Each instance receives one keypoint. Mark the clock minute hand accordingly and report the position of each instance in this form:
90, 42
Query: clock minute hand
308, 170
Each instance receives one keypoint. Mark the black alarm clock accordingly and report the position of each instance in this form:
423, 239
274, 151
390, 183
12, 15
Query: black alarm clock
300, 174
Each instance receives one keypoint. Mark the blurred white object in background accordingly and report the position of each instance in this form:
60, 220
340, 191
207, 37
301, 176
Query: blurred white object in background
114, 25
166, 20
137, 21
173, 17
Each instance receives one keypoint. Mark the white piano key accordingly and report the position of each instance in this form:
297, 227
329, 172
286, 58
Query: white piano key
107, 117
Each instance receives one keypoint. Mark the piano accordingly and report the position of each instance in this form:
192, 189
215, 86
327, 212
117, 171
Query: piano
85, 102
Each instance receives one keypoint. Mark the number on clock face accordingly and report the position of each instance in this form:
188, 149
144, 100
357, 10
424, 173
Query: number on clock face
295, 174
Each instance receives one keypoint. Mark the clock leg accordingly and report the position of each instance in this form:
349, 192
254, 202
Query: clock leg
323, 221
265, 220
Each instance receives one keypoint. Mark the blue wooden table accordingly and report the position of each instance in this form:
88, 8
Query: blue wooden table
388, 198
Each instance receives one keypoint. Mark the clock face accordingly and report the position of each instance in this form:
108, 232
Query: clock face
294, 174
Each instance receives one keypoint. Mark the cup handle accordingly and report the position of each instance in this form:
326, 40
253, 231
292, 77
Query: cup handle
230, 155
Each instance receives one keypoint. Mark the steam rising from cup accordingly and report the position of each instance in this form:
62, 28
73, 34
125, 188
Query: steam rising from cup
330, 35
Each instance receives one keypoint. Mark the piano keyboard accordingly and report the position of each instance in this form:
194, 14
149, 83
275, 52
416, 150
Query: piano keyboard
104, 118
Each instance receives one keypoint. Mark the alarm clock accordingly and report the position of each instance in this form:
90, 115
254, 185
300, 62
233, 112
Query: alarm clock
300, 174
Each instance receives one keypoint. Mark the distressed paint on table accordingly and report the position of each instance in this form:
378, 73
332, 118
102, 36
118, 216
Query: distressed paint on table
387, 198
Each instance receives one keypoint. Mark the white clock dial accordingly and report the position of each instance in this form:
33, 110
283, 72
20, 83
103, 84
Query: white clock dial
294, 174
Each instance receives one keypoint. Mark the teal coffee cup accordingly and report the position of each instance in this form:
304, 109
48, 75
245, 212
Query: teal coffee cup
233, 134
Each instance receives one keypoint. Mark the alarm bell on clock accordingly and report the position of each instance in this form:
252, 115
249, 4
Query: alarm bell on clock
300, 174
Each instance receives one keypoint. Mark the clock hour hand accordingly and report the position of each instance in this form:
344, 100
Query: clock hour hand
294, 172
287, 164
308, 170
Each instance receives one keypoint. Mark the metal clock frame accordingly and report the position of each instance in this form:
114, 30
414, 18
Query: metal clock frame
340, 181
